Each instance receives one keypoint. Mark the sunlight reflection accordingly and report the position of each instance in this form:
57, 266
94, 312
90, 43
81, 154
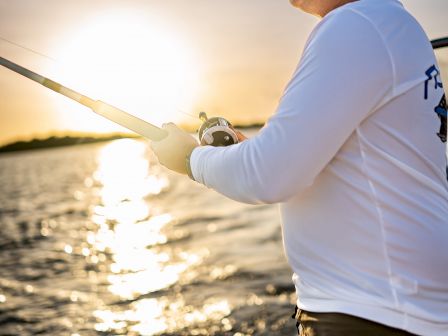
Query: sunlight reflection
148, 313
123, 173
127, 243
131, 285
141, 271
151, 316
213, 311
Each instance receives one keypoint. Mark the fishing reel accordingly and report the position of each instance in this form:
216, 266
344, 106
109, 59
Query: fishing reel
216, 131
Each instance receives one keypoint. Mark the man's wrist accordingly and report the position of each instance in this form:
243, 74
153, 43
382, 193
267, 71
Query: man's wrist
188, 165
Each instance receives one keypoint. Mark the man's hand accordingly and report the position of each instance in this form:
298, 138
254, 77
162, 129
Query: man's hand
241, 137
173, 149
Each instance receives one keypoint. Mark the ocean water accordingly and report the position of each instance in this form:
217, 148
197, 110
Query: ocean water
101, 240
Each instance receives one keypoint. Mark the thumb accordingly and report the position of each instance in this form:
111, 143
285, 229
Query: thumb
168, 125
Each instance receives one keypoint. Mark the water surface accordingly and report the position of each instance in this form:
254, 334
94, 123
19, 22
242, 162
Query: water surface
100, 240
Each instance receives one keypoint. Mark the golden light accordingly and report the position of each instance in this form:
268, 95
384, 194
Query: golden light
128, 244
153, 317
123, 173
129, 60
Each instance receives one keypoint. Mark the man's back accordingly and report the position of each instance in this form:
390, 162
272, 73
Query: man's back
369, 237
353, 155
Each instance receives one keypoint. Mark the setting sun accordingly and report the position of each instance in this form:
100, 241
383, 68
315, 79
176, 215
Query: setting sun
130, 62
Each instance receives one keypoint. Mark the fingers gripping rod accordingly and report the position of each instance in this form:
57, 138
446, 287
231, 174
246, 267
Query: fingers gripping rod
110, 112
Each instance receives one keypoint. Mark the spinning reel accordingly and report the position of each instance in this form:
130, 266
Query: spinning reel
216, 131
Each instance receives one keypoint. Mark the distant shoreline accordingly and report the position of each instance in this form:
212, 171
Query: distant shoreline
56, 141
68, 140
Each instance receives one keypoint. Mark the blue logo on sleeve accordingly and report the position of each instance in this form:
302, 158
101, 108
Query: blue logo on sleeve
441, 110
432, 73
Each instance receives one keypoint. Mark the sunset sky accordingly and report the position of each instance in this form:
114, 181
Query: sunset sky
157, 59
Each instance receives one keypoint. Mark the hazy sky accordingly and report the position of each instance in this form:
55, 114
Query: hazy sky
155, 58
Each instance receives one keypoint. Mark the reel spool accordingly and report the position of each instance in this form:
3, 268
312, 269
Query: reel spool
216, 131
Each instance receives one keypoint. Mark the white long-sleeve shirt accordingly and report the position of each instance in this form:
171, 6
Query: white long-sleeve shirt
353, 156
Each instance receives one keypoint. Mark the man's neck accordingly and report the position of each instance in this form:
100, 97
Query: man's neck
332, 6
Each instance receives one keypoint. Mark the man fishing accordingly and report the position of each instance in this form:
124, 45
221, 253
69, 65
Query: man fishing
355, 155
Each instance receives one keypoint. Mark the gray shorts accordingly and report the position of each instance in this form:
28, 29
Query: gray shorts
337, 324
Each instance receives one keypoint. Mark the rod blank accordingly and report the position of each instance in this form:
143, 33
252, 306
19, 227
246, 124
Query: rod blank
440, 43
110, 112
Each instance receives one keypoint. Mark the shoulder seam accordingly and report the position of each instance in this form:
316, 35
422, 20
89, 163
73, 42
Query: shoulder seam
391, 60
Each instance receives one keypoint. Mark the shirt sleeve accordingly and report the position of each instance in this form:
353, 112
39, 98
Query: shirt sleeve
345, 74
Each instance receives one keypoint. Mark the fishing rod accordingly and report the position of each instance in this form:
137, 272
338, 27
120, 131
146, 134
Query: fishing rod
108, 111
215, 131
440, 43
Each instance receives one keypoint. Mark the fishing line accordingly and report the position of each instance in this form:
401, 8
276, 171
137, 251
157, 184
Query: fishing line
28, 49
187, 114
56, 61
108, 111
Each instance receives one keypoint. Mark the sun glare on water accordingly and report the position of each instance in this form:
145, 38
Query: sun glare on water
127, 60
132, 243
